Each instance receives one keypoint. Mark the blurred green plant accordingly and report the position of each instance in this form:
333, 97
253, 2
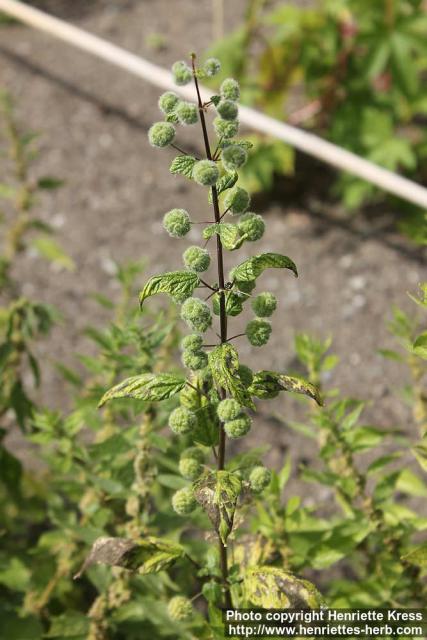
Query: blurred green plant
354, 67
22, 321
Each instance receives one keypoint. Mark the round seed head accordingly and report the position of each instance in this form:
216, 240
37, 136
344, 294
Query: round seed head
182, 73
252, 226
196, 259
238, 427
264, 304
194, 360
205, 173
258, 332
233, 157
192, 342
225, 128
211, 67
228, 409
177, 223
161, 134
259, 479
230, 89
182, 421
183, 501
196, 314
168, 101
227, 109
187, 113
237, 200
190, 468
194, 452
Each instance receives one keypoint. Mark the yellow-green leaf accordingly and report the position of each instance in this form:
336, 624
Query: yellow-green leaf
147, 386
177, 284
224, 366
251, 268
274, 588
148, 555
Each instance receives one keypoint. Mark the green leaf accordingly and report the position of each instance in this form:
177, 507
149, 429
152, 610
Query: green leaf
50, 250
147, 386
72, 624
183, 165
217, 493
229, 234
420, 453
420, 345
148, 555
417, 556
411, 484
265, 383
177, 284
274, 588
224, 365
48, 182
226, 182
253, 267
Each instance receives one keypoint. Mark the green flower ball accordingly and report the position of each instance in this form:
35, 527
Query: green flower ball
259, 479
183, 501
211, 67
225, 128
190, 468
192, 342
238, 427
233, 157
237, 200
187, 113
177, 223
196, 259
193, 452
196, 314
181, 72
168, 101
252, 226
180, 609
181, 420
258, 332
161, 134
230, 89
194, 360
245, 375
227, 109
205, 173
264, 304
228, 409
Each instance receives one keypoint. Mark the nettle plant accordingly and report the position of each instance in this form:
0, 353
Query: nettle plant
217, 392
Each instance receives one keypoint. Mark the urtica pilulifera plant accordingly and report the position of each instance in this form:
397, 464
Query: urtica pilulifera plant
216, 395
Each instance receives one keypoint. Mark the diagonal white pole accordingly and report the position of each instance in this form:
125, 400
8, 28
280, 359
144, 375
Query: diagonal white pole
306, 142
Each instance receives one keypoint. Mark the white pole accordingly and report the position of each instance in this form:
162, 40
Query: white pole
306, 142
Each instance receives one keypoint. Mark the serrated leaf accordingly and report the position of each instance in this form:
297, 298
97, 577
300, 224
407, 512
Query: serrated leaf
148, 555
217, 493
177, 284
224, 366
183, 165
229, 234
147, 386
274, 588
417, 556
266, 383
251, 268
420, 345
226, 182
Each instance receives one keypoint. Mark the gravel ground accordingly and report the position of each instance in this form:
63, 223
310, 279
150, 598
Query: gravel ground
93, 119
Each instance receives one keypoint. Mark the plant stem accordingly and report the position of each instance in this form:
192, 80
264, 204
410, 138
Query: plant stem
223, 329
